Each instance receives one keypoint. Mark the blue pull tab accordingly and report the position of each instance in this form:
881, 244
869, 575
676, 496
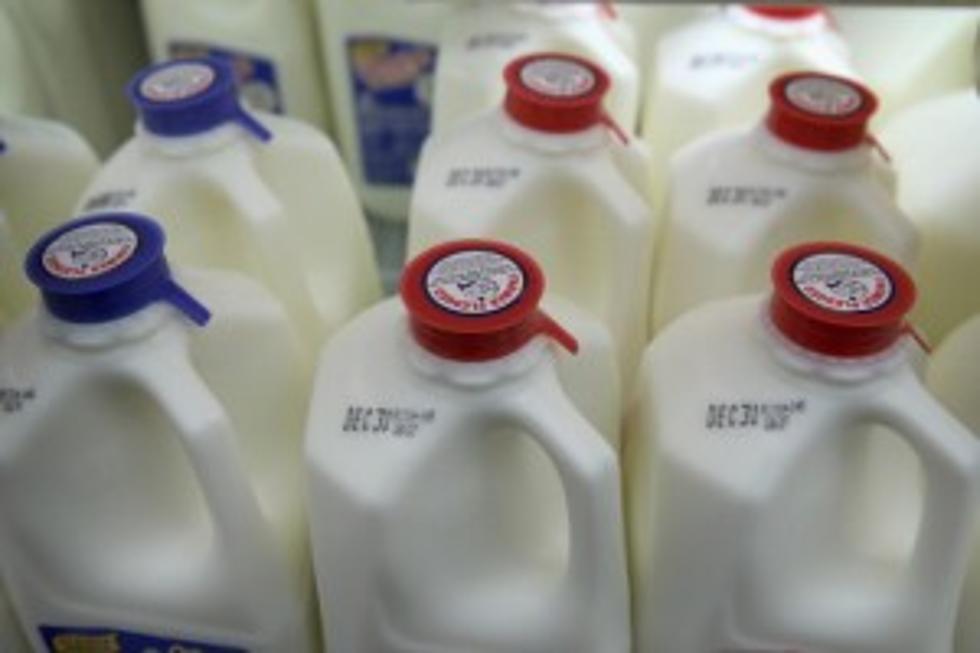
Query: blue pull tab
105, 267
253, 126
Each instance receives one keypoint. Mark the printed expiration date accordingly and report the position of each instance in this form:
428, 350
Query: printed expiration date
756, 196
481, 177
13, 400
387, 421
746, 415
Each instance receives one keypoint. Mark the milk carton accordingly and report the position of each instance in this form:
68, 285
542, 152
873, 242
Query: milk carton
936, 149
809, 171
909, 54
954, 378
44, 167
550, 172
271, 45
380, 57
713, 73
148, 468
459, 500
242, 189
481, 37
755, 522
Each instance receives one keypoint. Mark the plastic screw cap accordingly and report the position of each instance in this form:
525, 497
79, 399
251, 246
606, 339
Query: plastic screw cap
105, 267
786, 12
818, 111
477, 300
190, 96
840, 299
554, 92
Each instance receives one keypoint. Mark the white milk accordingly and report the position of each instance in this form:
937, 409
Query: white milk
909, 54
270, 43
756, 523
547, 173
713, 73
149, 487
954, 376
380, 57
936, 149
11, 639
808, 171
72, 58
246, 190
651, 21
459, 500
481, 37
44, 167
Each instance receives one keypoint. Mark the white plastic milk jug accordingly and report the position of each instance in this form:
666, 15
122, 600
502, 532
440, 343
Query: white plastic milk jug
552, 173
910, 54
459, 500
748, 457
481, 37
271, 45
809, 171
936, 149
44, 167
149, 470
713, 73
245, 190
380, 57
954, 376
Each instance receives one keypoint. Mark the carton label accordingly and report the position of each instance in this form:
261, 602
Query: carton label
391, 84
842, 283
58, 639
255, 75
89, 251
475, 282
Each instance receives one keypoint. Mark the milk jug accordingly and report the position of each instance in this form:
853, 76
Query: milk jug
810, 170
910, 54
148, 467
747, 456
551, 172
271, 45
44, 167
936, 149
954, 376
71, 59
481, 37
713, 73
243, 189
380, 57
459, 501
11, 640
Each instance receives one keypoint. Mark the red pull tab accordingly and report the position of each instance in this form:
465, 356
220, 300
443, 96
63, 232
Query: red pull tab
871, 140
545, 325
614, 127
918, 337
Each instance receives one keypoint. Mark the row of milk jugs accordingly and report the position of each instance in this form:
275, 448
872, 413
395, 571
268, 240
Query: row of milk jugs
463, 486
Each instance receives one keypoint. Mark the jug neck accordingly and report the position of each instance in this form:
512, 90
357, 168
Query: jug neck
516, 134
107, 335
784, 152
788, 25
193, 145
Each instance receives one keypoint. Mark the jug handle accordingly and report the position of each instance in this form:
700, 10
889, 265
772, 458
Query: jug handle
590, 478
210, 442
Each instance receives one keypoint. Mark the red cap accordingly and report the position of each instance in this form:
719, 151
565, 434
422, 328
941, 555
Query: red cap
818, 111
840, 299
554, 92
477, 300
786, 12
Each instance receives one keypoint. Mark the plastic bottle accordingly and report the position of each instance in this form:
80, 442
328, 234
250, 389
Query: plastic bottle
481, 37
908, 54
755, 522
713, 73
271, 45
380, 57
936, 149
459, 499
549, 172
242, 189
44, 167
149, 469
809, 171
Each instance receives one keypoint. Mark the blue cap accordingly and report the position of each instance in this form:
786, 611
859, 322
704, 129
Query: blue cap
105, 267
189, 96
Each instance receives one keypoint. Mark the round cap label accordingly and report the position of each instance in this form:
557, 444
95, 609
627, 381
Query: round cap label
177, 82
90, 251
558, 77
842, 283
475, 282
823, 96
